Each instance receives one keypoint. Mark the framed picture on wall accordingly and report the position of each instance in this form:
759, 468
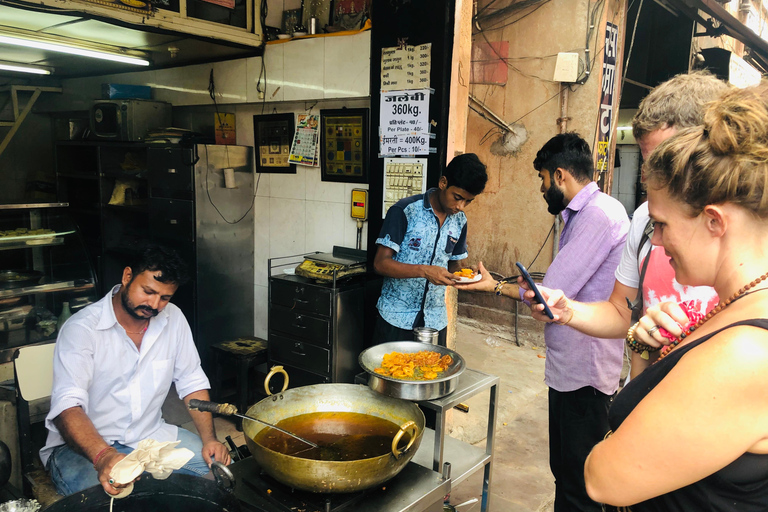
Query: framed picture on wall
344, 148
272, 136
291, 20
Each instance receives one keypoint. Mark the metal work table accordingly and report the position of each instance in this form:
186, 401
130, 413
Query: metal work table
437, 448
465, 459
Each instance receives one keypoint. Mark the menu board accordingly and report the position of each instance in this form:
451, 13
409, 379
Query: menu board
404, 128
406, 67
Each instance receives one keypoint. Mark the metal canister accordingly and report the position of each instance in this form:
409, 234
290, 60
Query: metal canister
425, 335
313, 25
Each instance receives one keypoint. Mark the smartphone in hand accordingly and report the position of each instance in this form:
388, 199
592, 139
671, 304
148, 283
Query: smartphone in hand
535, 289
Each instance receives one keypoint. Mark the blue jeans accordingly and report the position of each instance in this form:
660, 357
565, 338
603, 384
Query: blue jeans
71, 472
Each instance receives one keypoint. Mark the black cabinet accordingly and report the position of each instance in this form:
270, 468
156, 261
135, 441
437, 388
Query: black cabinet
107, 189
124, 194
173, 172
316, 330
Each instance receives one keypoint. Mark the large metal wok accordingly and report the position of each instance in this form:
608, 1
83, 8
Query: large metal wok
417, 390
334, 476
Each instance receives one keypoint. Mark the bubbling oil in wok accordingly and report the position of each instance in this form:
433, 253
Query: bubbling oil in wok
340, 436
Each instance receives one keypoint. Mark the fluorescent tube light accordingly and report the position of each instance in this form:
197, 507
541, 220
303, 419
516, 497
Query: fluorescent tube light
24, 68
73, 50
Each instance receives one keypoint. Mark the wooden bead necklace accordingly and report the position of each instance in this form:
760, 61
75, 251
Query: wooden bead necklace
721, 306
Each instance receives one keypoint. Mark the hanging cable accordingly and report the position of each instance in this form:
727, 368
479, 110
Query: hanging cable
537, 275
631, 45
504, 13
212, 93
208, 192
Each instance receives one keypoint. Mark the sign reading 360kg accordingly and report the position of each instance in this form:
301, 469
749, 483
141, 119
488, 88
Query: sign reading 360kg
404, 128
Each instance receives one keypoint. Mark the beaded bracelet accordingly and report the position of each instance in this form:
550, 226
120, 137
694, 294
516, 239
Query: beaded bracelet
498, 287
637, 347
99, 455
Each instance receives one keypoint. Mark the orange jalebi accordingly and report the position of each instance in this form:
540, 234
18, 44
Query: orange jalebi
467, 273
424, 365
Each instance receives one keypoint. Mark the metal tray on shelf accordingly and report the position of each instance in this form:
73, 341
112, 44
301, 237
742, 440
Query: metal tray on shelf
38, 239
14, 318
19, 278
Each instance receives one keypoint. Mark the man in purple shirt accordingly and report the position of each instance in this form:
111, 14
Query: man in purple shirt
582, 371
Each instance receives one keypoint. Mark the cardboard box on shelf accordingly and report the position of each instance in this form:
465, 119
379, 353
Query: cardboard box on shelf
225, 128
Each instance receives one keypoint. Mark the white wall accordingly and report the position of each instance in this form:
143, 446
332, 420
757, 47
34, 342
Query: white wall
294, 213
625, 177
302, 69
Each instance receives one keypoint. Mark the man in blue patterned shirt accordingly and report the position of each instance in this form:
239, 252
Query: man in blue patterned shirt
422, 241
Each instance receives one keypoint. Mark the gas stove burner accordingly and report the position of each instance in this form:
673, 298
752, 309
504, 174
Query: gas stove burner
286, 499
414, 489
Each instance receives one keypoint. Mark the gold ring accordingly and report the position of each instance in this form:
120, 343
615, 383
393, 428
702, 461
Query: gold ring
653, 329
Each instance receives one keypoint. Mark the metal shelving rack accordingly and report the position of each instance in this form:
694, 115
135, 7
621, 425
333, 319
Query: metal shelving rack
58, 256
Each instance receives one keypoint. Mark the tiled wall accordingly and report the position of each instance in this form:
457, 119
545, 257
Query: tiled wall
294, 213
297, 214
296, 70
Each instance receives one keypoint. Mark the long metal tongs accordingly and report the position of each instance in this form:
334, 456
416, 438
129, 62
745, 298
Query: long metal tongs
231, 410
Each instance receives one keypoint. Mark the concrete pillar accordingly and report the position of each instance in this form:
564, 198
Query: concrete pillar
460, 69
452, 305
457, 121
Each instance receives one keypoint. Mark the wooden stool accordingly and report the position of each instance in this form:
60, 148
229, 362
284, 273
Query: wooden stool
234, 362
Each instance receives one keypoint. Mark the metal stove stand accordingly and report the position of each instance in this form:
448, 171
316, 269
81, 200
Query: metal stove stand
437, 448
465, 459
414, 489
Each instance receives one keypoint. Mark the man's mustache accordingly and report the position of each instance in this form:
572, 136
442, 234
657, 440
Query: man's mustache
147, 309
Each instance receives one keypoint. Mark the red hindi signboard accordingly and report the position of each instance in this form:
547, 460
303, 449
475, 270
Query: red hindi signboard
608, 86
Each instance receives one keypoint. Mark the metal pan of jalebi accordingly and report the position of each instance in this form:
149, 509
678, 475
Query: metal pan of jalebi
416, 390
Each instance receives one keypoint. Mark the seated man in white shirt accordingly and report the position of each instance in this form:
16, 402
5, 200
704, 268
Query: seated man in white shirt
114, 363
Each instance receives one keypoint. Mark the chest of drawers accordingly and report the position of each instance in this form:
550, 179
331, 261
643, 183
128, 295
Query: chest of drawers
316, 330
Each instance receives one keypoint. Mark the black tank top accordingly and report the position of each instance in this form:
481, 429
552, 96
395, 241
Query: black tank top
741, 486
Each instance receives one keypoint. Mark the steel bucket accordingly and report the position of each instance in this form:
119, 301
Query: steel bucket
426, 335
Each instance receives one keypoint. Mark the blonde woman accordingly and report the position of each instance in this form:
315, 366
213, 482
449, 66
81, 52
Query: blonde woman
691, 432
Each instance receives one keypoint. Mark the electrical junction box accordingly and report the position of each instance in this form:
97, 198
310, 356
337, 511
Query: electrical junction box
359, 204
567, 67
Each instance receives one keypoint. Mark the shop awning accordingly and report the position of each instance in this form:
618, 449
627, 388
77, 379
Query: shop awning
723, 22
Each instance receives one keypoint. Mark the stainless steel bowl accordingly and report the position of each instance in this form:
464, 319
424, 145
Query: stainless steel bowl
417, 390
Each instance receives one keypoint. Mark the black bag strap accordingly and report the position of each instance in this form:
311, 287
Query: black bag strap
637, 305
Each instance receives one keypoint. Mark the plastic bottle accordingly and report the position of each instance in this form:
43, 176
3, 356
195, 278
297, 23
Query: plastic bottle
65, 314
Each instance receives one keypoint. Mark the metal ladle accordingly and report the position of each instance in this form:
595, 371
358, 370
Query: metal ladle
231, 410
